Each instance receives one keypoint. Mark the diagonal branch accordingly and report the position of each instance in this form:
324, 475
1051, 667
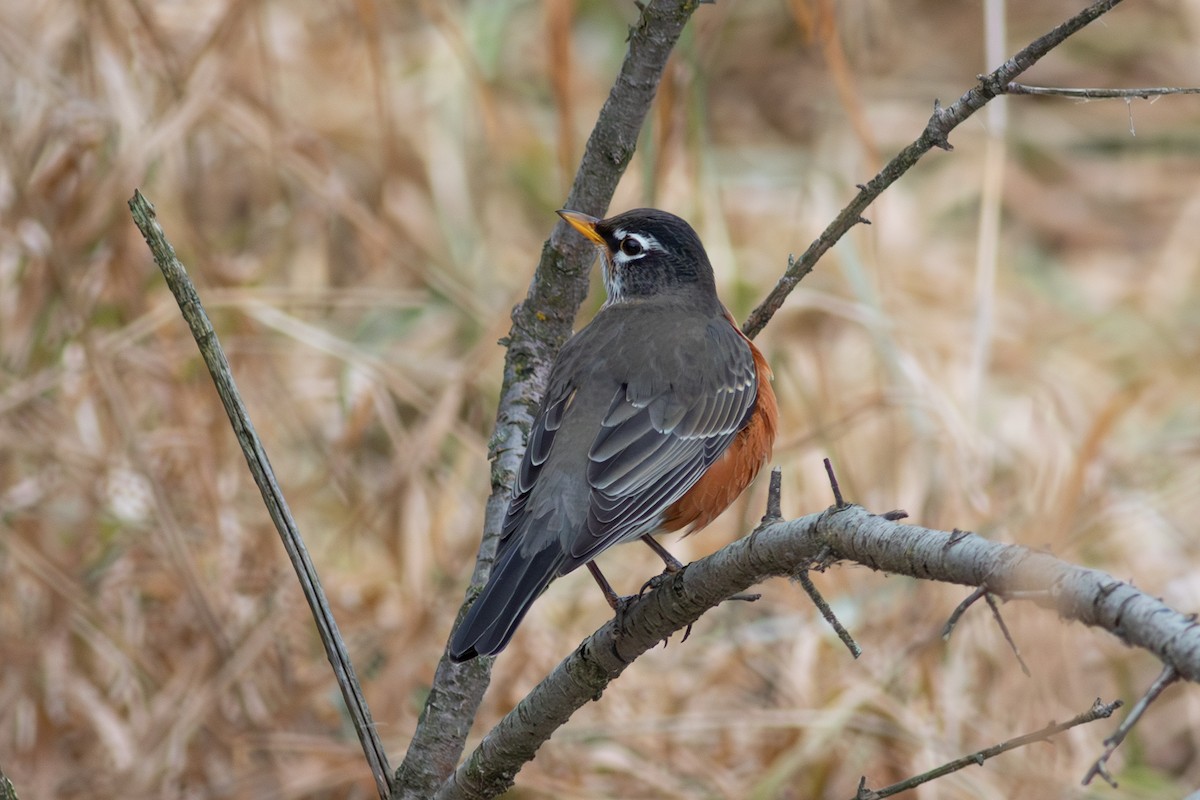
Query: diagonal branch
264, 477
1099, 710
936, 134
1100, 767
783, 548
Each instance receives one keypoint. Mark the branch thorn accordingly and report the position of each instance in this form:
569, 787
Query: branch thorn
833, 484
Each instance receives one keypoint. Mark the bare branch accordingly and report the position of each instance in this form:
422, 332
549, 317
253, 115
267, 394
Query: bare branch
961, 609
675, 604
833, 484
1144, 93
1076, 593
936, 134
264, 476
7, 790
784, 548
774, 497
971, 599
823, 606
1099, 710
1165, 678
991, 601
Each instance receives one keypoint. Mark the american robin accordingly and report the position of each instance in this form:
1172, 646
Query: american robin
656, 416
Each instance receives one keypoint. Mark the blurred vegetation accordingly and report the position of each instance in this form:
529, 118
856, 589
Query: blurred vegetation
361, 192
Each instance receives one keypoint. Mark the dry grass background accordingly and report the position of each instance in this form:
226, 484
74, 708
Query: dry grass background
361, 191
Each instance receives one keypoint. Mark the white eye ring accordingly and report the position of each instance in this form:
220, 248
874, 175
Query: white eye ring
631, 247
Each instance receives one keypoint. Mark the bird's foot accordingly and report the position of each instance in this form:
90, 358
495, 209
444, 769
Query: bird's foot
657, 581
620, 606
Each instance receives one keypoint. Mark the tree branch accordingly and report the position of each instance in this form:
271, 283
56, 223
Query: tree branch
822, 605
1099, 710
1100, 767
783, 548
541, 323
7, 790
1143, 93
936, 134
185, 294
1077, 593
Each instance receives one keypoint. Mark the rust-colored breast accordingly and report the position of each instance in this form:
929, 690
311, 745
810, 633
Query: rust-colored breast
738, 465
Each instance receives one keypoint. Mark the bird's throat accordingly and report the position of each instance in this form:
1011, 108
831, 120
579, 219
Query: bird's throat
613, 288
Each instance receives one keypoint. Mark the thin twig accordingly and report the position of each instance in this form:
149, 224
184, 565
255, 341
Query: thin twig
260, 467
936, 134
970, 600
961, 609
833, 485
991, 601
774, 496
1099, 710
1098, 94
827, 612
1165, 678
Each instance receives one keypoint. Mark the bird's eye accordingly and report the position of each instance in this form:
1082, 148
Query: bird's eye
631, 246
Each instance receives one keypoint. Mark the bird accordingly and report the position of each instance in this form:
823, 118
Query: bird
656, 416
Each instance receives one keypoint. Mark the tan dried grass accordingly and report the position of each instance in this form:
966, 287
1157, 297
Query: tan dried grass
361, 193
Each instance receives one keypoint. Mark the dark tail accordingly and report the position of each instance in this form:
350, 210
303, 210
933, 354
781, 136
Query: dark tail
515, 582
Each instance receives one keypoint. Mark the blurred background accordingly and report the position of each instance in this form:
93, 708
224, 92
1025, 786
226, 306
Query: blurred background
361, 191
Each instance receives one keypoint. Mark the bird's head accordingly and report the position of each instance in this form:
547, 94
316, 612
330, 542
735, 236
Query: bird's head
646, 253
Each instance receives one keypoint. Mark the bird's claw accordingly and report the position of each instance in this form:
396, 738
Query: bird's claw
656, 581
621, 609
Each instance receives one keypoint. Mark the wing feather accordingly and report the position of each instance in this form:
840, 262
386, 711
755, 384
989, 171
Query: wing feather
659, 437
541, 440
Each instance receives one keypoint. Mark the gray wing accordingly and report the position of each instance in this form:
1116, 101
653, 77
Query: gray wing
659, 436
519, 574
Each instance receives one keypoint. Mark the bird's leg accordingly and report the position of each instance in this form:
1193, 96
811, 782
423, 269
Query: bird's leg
618, 603
670, 562
672, 565
614, 599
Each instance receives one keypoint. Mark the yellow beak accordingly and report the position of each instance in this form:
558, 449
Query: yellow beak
584, 223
